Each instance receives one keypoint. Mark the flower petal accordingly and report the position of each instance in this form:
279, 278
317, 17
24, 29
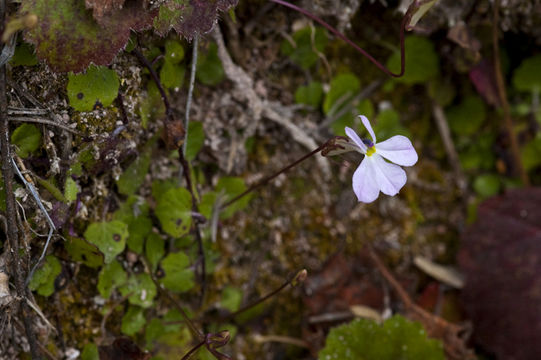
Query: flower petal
365, 185
356, 139
398, 149
368, 127
389, 177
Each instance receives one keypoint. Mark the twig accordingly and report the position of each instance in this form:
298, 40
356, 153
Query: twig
281, 339
502, 93
273, 111
452, 155
454, 337
12, 231
52, 228
44, 121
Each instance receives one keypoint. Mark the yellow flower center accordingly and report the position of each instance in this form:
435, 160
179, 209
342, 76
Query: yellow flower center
371, 151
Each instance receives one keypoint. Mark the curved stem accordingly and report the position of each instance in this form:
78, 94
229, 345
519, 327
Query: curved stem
355, 46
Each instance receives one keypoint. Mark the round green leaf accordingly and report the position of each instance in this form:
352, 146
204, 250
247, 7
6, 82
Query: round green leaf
487, 185
178, 277
467, 117
109, 237
174, 210
172, 75
133, 320
174, 52
96, 88
302, 51
154, 249
209, 67
397, 338
343, 88
527, 76
142, 290
26, 139
44, 277
84, 252
310, 94
111, 276
132, 178
195, 140
422, 62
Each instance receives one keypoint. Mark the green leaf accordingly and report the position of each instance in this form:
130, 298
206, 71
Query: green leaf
487, 185
71, 189
90, 352
178, 276
44, 277
397, 338
134, 176
310, 94
174, 52
467, 117
135, 212
83, 252
133, 321
229, 187
387, 124
530, 154
172, 75
27, 139
231, 298
527, 76
70, 39
160, 187
153, 330
151, 106
343, 89
196, 138
174, 210
24, 55
422, 62
154, 249
111, 276
302, 51
109, 237
209, 67
142, 290
97, 88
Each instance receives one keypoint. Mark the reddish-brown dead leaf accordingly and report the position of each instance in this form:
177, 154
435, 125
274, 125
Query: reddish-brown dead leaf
501, 258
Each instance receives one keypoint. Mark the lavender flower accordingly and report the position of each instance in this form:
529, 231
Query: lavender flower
374, 174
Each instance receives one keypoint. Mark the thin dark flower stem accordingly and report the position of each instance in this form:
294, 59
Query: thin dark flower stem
193, 329
185, 168
355, 46
16, 250
193, 350
502, 93
156, 78
266, 180
289, 281
195, 210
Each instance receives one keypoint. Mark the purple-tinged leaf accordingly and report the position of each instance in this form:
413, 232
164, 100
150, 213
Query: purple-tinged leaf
189, 17
501, 259
69, 39
482, 77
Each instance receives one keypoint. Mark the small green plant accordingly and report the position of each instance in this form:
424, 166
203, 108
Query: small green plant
396, 338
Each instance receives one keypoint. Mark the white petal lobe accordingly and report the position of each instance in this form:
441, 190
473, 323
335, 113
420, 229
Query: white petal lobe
390, 177
399, 150
365, 185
